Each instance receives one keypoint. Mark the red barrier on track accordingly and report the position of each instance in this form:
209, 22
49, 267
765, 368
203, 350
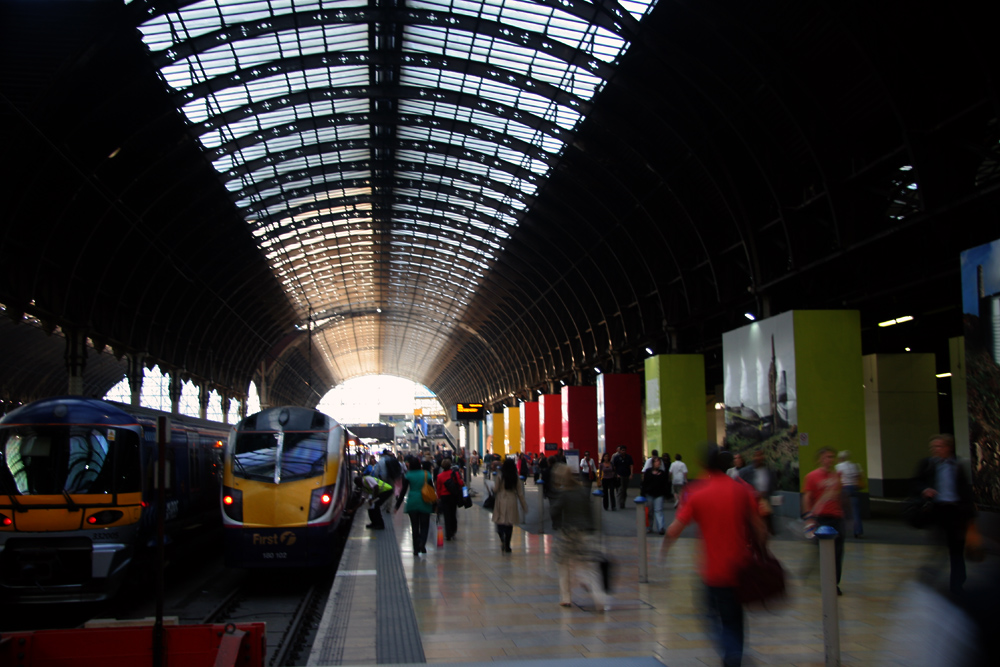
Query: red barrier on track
186, 645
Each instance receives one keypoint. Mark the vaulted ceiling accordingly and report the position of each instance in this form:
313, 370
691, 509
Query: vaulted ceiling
485, 197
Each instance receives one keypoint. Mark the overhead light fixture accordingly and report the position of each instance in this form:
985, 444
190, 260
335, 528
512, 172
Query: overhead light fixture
720, 406
898, 320
649, 350
115, 152
378, 310
750, 316
562, 382
598, 369
943, 375
907, 349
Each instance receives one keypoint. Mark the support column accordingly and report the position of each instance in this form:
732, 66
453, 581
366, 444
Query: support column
529, 421
619, 413
901, 411
675, 406
226, 399
579, 418
204, 393
174, 387
512, 430
499, 441
135, 372
549, 422
243, 404
76, 360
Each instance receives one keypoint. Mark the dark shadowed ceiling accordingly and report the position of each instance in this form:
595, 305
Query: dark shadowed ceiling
486, 197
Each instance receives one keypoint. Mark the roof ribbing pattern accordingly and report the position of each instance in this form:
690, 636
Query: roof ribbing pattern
382, 151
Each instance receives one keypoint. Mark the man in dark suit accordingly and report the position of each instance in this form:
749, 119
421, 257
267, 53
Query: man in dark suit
943, 480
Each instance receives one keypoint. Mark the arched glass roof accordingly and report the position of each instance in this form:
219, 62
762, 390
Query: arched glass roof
382, 151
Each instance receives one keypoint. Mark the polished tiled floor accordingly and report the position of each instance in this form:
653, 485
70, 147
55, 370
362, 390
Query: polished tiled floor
474, 603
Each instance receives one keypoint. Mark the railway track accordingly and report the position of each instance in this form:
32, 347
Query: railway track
291, 605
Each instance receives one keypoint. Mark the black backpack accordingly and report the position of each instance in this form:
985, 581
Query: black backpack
393, 469
452, 485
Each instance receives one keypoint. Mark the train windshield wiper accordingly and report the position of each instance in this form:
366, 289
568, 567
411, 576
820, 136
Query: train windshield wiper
73, 507
243, 470
18, 507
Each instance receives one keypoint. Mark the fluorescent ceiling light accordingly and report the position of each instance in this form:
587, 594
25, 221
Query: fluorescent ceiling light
898, 320
943, 375
750, 316
649, 350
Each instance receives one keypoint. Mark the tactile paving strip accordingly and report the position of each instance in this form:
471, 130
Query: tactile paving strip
397, 636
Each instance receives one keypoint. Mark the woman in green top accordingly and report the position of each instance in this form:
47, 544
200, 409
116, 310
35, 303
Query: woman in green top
419, 511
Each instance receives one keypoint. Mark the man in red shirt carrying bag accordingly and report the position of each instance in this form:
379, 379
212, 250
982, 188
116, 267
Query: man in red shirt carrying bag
725, 510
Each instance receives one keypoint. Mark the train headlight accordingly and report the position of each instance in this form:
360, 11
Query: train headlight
232, 503
6, 520
320, 502
104, 517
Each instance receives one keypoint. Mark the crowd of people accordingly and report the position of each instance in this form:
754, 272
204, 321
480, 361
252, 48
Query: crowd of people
733, 502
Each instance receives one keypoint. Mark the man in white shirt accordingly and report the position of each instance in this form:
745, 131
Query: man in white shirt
678, 477
586, 469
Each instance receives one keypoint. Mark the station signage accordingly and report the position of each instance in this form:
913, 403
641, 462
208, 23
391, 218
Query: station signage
469, 411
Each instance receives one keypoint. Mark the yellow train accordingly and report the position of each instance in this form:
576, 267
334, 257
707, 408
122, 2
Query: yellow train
78, 496
286, 486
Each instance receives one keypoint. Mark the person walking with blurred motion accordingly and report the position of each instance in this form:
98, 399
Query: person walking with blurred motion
509, 493
738, 465
943, 480
449, 490
678, 478
577, 549
608, 479
821, 503
852, 481
624, 467
656, 487
765, 483
416, 508
587, 472
725, 510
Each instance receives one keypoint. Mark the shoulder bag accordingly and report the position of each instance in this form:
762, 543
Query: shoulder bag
427, 492
762, 578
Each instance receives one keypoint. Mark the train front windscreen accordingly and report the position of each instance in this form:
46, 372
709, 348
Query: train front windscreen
81, 459
281, 456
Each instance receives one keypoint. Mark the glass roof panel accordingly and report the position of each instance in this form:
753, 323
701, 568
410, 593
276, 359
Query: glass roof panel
310, 116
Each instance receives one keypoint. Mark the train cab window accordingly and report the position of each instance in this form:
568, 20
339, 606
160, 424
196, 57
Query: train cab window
50, 460
279, 456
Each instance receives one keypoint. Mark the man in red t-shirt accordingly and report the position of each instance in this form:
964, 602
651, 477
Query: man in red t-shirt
821, 502
723, 508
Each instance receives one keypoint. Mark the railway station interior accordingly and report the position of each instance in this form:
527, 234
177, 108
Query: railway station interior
640, 223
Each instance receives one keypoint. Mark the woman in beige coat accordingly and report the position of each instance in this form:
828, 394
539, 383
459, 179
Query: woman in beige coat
508, 491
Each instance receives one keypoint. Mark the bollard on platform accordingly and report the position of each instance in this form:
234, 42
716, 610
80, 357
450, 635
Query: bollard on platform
828, 586
640, 526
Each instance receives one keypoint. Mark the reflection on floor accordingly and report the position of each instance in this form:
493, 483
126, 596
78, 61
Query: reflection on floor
474, 603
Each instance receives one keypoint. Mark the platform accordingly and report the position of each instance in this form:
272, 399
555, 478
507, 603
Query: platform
467, 603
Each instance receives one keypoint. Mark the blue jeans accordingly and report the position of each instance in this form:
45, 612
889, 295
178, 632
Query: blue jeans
659, 523
725, 620
854, 495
